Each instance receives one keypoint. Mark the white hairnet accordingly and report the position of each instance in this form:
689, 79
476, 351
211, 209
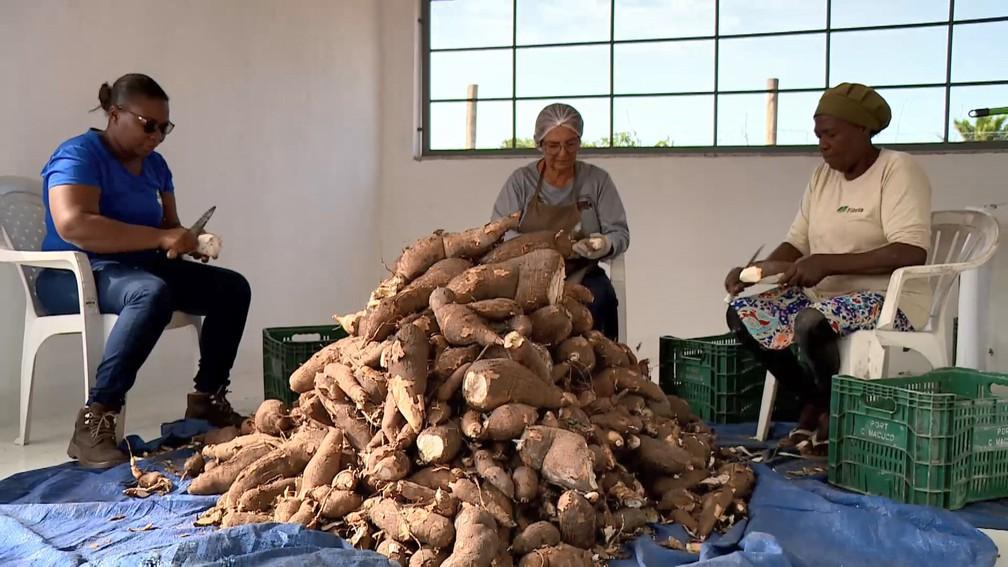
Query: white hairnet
557, 114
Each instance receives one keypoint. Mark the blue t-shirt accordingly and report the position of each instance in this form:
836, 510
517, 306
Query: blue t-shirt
133, 199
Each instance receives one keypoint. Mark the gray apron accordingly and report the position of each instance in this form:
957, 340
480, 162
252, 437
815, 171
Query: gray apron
539, 215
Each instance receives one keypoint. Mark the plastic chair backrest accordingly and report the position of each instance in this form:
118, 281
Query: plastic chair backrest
958, 237
22, 222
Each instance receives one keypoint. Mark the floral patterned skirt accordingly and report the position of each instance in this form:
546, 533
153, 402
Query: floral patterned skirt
769, 317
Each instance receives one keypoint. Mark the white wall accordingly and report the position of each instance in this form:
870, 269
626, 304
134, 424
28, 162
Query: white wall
295, 118
691, 218
276, 104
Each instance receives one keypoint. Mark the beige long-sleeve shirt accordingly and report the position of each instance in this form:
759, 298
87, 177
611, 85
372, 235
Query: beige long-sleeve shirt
889, 203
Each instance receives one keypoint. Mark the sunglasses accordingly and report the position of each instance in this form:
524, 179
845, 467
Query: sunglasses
150, 125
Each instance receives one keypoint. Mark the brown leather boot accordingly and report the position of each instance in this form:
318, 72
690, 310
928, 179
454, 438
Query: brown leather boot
214, 408
93, 442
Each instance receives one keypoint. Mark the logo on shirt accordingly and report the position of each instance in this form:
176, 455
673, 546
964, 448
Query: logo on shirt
852, 210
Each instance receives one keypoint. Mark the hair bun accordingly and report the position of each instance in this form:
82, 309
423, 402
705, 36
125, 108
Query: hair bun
105, 96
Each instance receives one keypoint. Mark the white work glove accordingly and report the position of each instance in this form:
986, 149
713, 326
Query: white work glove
594, 247
209, 246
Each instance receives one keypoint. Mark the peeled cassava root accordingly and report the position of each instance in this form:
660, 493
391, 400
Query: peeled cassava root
473, 418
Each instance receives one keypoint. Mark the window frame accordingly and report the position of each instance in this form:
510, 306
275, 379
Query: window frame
945, 146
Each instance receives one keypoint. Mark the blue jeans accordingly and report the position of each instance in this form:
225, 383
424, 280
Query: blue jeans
144, 293
605, 308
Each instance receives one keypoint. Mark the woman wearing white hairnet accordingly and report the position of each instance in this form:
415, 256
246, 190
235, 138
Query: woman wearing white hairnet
558, 192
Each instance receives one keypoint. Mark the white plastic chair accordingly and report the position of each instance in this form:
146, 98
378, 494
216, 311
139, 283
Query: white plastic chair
617, 275
23, 227
960, 241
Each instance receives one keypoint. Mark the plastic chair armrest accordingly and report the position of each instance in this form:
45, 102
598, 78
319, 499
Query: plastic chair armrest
76, 262
887, 317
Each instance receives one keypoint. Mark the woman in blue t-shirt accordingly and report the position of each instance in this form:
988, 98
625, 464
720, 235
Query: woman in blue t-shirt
109, 194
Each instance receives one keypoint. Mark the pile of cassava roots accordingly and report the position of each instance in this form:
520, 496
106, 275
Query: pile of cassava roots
472, 418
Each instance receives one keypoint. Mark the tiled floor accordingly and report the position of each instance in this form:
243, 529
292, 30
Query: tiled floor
158, 396
50, 433
1000, 538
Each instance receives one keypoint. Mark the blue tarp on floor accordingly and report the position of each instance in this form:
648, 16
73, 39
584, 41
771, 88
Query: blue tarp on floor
66, 515
992, 514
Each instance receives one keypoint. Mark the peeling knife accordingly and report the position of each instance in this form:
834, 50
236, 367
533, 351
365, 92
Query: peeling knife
752, 259
197, 228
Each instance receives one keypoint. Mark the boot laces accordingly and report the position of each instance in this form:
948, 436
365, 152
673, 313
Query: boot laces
220, 402
101, 425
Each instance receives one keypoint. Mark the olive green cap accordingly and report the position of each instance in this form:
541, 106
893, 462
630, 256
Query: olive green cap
857, 104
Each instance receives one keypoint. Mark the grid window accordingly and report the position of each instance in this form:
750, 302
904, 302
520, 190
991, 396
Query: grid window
702, 75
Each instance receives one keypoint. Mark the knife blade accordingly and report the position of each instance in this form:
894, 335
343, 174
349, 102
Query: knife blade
751, 258
197, 227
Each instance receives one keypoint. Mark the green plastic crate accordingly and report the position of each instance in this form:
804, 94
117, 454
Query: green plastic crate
717, 376
939, 439
287, 348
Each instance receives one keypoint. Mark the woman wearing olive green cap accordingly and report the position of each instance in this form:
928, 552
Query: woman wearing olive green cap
866, 212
